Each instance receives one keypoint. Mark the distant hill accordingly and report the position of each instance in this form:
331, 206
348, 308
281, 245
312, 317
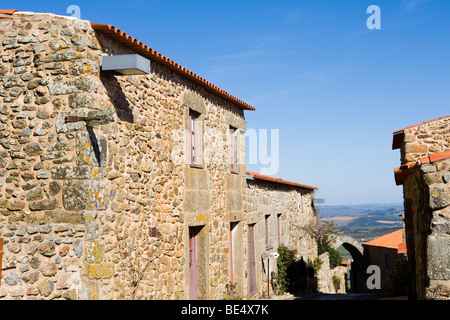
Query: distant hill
366, 221
327, 211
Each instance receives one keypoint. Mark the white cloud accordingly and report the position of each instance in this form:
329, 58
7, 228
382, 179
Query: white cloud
411, 4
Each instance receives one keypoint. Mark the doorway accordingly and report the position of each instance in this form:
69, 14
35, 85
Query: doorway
193, 270
251, 259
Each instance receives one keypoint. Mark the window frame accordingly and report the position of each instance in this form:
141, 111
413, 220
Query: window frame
233, 150
279, 228
195, 139
387, 261
267, 240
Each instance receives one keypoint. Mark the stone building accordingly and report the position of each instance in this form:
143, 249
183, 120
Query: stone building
115, 186
279, 212
425, 175
384, 252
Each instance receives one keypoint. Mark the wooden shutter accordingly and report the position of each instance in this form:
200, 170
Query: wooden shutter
233, 149
198, 142
191, 137
279, 228
195, 135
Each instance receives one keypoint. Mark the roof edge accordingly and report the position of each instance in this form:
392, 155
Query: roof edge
403, 171
399, 135
387, 241
258, 176
148, 52
8, 11
422, 123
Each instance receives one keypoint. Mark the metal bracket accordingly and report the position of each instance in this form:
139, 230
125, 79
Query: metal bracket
93, 118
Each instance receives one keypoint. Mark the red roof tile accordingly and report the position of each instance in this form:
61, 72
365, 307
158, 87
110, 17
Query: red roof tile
148, 52
258, 176
402, 172
8, 11
402, 248
392, 240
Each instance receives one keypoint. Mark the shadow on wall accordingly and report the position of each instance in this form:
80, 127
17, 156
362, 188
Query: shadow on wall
117, 97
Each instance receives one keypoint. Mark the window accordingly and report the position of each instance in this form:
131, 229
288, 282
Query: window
279, 228
195, 134
387, 261
233, 150
266, 221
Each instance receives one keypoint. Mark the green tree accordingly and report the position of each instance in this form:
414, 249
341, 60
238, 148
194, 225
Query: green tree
325, 232
333, 254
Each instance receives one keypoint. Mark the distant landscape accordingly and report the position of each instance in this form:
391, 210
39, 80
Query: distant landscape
364, 222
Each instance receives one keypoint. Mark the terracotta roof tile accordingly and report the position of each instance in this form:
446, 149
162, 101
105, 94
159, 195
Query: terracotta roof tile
258, 176
8, 11
402, 248
148, 52
392, 240
402, 172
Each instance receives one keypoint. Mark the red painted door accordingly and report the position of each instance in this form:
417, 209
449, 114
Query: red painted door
193, 295
251, 259
232, 230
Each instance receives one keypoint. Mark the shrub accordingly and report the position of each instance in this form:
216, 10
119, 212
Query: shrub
399, 280
334, 255
284, 266
336, 283
291, 272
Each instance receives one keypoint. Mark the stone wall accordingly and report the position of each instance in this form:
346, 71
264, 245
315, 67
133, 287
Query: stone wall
385, 258
427, 219
49, 229
289, 213
425, 175
326, 275
425, 139
104, 212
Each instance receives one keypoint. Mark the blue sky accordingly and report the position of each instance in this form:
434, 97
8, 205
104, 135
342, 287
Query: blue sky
312, 69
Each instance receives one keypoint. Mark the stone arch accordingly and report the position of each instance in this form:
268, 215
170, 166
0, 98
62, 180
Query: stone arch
351, 245
359, 264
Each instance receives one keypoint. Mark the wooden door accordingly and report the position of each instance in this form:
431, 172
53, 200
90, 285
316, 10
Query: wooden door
232, 230
251, 259
1, 257
193, 287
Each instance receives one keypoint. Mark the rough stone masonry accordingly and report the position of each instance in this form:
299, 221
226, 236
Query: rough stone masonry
105, 212
424, 174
